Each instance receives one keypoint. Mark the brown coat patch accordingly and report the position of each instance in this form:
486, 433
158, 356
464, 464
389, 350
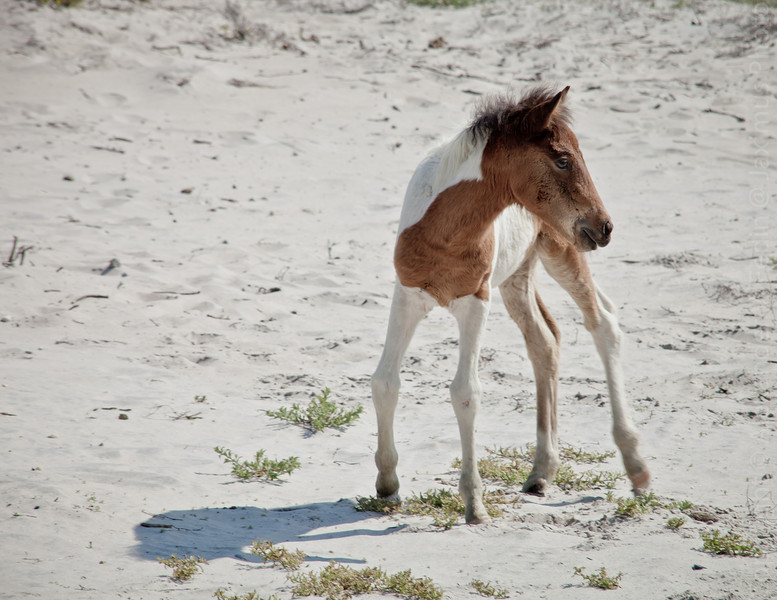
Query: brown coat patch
449, 253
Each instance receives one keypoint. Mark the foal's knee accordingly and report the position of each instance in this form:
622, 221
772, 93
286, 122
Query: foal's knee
465, 394
385, 387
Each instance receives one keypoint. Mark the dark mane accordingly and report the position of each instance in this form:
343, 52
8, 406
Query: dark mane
499, 112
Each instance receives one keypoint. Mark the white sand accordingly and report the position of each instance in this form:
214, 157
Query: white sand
295, 146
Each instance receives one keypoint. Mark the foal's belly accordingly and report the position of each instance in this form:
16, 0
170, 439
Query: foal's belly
514, 232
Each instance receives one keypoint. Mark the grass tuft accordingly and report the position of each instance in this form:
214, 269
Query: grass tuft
339, 582
600, 579
260, 467
221, 594
731, 544
443, 505
319, 414
488, 590
267, 551
183, 568
675, 522
512, 466
634, 507
60, 3
380, 505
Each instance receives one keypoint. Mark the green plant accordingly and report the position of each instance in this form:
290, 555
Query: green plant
381, 505
222, 595
291, 561
681, 505
319, 414
579, 455
260, 467
443, 505
64, 3
512, 466
200, 398
446, 506
731, 544
567, 479
675, 522
183, 568
600, 579
633, 507
339, 582
488, 590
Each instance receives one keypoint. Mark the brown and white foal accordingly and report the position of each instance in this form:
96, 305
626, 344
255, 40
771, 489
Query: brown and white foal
478, 213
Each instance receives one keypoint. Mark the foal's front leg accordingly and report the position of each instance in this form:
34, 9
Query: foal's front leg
471, 314
408, 307
570, 269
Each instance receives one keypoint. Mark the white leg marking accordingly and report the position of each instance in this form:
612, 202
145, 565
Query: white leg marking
471, 315
408, 307
607, 338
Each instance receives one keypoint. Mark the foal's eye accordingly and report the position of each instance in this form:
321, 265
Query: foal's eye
564, 163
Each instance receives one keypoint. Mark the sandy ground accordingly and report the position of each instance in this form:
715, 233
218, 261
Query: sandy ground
247, 172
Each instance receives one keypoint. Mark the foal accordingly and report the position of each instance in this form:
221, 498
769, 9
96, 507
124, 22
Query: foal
478, 213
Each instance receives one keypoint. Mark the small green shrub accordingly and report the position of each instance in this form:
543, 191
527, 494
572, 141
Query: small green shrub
579, 455
291, 561
260, 467
488, 590
512, 466
567, 479
381, 505
62, 3
675, 522
222, 595
600, 579
443, 505
633, 507
681, 505
339, 582
731, 544
183, 568
319, 414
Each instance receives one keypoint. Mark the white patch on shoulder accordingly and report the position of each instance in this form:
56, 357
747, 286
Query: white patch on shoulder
514, 234
457, 161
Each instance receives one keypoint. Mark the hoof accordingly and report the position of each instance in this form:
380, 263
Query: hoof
477, 517
387, 487
640, 482
392, 498
535, 487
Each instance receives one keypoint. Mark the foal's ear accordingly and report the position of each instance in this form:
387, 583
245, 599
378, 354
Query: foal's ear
538, 118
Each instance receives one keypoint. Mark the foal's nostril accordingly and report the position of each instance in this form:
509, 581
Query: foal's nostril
607, 229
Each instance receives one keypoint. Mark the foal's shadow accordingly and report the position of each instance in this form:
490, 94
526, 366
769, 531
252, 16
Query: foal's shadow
228, 532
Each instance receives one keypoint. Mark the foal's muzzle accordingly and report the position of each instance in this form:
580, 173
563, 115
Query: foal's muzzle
590, 238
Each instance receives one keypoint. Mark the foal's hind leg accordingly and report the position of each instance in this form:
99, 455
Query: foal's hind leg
570, 269
471, 314
542, 344
408, 307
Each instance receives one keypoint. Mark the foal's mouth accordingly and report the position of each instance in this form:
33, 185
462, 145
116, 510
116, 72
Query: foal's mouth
589, 238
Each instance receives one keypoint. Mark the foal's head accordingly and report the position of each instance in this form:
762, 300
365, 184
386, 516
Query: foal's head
533, 156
